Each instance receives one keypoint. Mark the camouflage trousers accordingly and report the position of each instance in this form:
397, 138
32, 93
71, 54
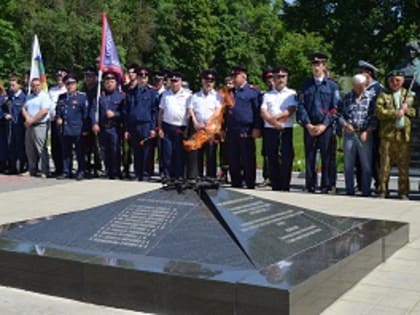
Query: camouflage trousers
392, 152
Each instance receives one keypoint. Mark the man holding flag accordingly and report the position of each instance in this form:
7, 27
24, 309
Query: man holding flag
108, 62
108, 59
35, 112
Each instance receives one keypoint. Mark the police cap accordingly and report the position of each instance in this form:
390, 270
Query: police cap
143, 71
238, 70
209, 74
61, 72
70, 78
159, 75
318, 57
109, 75
175, 75
90, 70
267, 73
367, 66
281, 71
395, 73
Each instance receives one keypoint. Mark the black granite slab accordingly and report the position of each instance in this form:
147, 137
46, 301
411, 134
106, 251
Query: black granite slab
217, 252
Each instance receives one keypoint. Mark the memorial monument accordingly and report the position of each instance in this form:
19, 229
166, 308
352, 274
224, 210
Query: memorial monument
197, 251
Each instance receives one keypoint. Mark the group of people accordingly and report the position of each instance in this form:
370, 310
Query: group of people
135, 120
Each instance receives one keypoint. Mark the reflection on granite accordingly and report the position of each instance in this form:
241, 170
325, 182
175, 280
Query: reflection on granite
272, 231
216, 252
158, 223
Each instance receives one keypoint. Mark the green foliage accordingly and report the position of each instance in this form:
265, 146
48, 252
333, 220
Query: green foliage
9, 49
374, 30
293, 52
193, 35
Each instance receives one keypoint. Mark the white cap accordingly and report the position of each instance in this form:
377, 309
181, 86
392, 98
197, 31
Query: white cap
359, 79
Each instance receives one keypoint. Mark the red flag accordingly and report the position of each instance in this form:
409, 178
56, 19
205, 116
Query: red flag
108, 60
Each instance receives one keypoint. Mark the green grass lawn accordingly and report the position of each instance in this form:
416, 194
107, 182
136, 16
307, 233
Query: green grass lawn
299, 161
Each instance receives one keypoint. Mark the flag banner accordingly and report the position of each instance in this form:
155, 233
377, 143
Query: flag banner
109, 60
37, 66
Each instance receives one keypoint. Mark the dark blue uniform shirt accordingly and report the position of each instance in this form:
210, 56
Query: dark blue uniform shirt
317, 102
113, 101
73, 110
4, 107
141, 108
16, 105
245, 114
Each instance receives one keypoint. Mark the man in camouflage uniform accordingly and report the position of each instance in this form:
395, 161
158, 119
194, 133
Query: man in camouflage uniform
394, 109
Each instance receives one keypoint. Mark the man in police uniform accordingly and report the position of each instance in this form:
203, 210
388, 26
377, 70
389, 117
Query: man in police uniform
205, 105
127, 154
243, 125
277, 109
268, 79
394, 109
72, 114
107, 124
140, 121
56, 148
373, 89
172, 123
158, 82
4, 130
317, 106
90, 140
16, 99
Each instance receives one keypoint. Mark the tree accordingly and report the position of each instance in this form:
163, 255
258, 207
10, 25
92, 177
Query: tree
374, 30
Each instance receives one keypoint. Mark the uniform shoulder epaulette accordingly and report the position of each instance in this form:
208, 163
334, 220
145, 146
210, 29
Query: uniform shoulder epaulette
81, 93
254, 87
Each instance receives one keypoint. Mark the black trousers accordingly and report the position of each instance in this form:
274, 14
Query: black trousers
241, 155
278, 147
323, 144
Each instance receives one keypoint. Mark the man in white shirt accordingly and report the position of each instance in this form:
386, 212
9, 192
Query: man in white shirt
56, 147
205, 105
35, 111
172, 122
277, 109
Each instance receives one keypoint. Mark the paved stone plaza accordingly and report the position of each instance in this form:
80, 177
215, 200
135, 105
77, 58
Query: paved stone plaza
392, 288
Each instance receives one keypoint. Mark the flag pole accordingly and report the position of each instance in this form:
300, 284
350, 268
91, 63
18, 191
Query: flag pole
101, 56
30, 71
98, 96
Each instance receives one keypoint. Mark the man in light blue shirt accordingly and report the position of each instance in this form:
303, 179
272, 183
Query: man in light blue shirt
35, 111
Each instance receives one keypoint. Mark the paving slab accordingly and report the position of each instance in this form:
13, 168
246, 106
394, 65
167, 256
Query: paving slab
392, 288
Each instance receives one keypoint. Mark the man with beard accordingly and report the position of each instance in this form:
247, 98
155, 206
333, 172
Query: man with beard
394, 109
